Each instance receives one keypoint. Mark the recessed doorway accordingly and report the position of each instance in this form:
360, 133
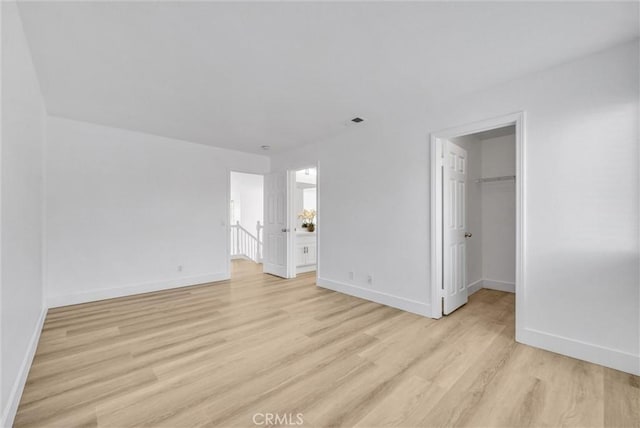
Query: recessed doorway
305, 212
477, 216
291, 236
246, 220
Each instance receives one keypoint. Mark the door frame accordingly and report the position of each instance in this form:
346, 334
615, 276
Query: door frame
292, 217
436, 139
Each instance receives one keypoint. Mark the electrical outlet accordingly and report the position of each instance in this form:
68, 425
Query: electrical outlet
370, 279
179, 268
351, 276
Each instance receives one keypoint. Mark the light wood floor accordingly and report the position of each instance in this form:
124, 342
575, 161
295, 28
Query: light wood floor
218, 354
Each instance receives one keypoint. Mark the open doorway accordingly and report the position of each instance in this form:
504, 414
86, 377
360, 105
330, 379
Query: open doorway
290, 248
489, 210
246, 213
477, 216
291, 202
305, 211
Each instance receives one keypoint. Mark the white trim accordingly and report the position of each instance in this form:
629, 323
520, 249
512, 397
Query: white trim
436, 226
291, 222
13, 400
318, 211
521, 223
397, 302
509, 287
474, 286
596, 354
227, 222
517, 119
491, 284
2, 411
305, 269
129, 290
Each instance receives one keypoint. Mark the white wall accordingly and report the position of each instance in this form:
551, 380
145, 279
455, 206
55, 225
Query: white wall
372, 197
125, 209
499, 213
309, 199
22, 310
581, 266
247, 190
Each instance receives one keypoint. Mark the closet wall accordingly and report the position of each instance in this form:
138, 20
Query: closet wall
498, 213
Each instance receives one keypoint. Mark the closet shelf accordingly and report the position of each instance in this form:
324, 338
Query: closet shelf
491, 179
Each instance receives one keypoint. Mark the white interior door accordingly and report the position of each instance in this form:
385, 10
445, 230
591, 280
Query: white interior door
454, 219
276, 228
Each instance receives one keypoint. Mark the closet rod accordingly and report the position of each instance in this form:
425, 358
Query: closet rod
490, 179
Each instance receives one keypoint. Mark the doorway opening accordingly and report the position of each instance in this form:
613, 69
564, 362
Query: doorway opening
477, 216
305, 210
246, 214
291, 202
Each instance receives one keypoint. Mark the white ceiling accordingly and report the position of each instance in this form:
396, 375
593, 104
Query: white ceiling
242, 75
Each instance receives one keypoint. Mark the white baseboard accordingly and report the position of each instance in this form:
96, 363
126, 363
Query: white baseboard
110, 293
305, 269
474, 286
408, 305
491, 284
607, 357
9, 412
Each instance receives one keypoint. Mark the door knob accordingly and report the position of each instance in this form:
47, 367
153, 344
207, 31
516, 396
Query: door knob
468, 235
285, 230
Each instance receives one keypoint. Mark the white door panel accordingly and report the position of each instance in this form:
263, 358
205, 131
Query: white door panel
275, 224
455, 227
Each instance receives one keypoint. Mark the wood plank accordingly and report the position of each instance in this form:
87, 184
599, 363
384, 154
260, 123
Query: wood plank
216, 354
